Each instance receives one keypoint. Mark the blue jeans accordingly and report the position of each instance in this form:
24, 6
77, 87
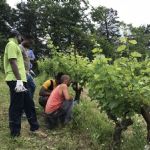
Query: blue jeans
31, 85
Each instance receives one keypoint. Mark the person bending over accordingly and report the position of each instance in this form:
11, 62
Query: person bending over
47, 88
60, 103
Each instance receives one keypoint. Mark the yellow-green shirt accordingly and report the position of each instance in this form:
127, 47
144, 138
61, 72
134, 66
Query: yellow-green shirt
12, 50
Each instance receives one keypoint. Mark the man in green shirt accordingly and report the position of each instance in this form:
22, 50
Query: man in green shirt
20, 99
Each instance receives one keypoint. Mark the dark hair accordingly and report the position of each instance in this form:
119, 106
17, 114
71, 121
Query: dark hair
58, 77
14, 33
27, 36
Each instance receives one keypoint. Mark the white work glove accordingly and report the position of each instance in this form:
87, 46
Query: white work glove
20, 87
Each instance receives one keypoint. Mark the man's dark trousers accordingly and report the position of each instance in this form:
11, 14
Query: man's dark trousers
63, 114
20, 102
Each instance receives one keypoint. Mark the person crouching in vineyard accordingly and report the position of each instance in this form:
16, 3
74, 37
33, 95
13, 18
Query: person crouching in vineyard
60, 103
47, 88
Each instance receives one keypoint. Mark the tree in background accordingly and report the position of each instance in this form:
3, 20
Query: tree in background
107, 28
5, 19
64, 21
142, 36
68, 22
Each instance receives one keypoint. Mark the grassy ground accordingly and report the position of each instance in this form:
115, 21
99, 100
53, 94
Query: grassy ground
65, 138
90, 130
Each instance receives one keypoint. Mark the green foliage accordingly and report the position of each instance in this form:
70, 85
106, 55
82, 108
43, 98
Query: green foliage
5, 16
1, 64
107, 20
141, 35
133, 42
134, 138
121, 48
122, 87
66, 22
63, 21
107, 28
89, 119
124, 48
69, 63
5, 19
136, 55
96, 50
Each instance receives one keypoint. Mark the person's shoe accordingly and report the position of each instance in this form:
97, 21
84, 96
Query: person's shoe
39, 133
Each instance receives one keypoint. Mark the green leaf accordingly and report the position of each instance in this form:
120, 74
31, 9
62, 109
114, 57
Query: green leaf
97, 50
113, 105
133, 42
123, 40
121, 48
50, 45
96, 76
136, 55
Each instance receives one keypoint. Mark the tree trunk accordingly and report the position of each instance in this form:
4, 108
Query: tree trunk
145, 111
120, 126
77, 91
106, 27
78, 94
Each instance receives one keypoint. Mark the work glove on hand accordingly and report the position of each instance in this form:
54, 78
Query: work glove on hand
20, 87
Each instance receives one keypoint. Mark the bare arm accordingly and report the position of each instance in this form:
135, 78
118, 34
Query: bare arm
44, 92
14, 66
66, 93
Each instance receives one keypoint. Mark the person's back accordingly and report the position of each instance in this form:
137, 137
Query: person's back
55, 100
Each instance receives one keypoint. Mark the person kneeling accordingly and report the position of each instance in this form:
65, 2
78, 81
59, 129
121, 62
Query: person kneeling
59, 105
47, 89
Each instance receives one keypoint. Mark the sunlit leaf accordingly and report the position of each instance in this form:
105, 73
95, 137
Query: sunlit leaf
133, 42
123, 40
136, 54
97, 50
121, 48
